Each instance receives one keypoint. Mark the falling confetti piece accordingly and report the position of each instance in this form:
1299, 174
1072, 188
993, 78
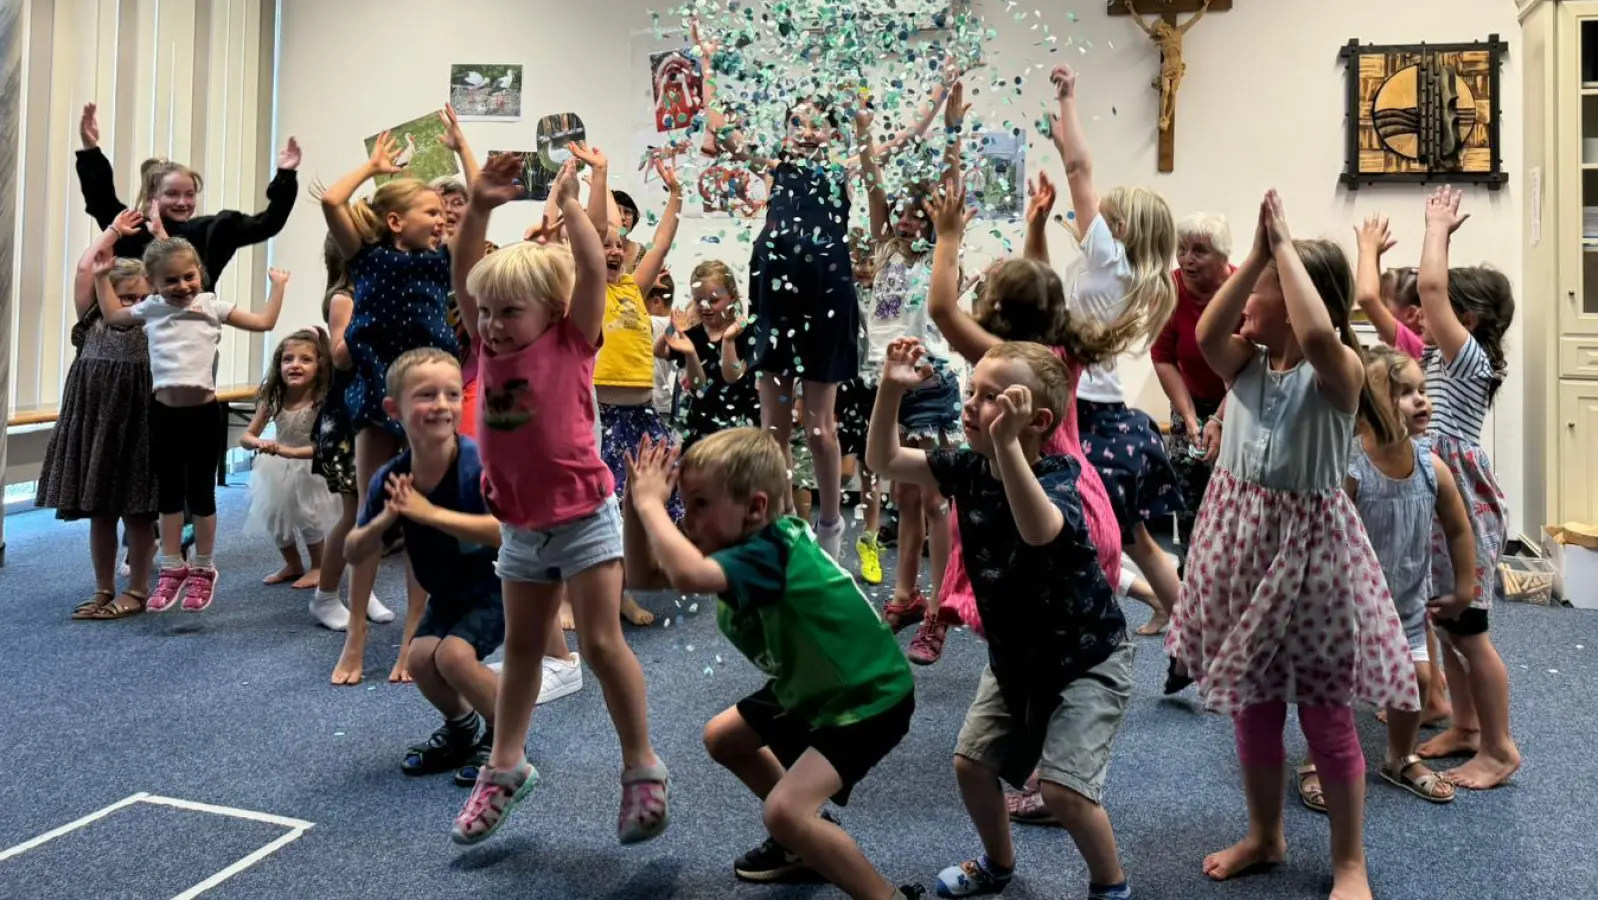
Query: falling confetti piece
338, 734
690, 648
708, 670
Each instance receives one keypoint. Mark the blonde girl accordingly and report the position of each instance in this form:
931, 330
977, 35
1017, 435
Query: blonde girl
183, 325
1128, 241
540, 314
713, 353
98, 465
168, 199
288, 501
399, 263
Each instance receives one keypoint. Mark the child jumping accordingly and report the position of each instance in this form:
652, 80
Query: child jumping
183, 325
1059, 670
288, 501
841, 696
434, 492
540, 311
1279, 557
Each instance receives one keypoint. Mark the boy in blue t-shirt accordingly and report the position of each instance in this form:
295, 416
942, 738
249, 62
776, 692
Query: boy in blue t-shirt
433, 491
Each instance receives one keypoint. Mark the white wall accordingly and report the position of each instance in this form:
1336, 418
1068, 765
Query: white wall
1262, 106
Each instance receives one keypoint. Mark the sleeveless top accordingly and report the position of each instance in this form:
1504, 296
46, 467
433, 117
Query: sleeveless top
1398, 518
294, 426
1281, 432
811, 199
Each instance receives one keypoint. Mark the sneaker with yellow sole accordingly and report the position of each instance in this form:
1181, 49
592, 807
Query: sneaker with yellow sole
870, 553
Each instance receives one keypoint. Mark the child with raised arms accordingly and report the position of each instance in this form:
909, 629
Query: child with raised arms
540, 311
1280, 559
434, 492
183, 326
1059, 672
841, 695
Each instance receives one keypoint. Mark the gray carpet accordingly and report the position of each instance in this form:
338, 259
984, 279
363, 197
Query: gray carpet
233, 707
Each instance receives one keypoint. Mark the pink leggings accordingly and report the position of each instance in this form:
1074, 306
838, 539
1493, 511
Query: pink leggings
1333, 742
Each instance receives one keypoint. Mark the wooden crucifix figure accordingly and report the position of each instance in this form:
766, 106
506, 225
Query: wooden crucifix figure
1167, 34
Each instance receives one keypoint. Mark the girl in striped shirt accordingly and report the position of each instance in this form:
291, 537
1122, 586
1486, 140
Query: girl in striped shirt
1465, 314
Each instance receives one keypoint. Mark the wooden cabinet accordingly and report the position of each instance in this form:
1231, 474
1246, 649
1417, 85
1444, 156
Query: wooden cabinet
1559, 302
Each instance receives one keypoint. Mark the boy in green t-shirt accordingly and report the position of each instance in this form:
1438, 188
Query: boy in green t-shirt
840, 695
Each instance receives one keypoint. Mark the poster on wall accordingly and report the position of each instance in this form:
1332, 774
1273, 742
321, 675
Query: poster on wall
677, 88
488, 93
554, 133
996, 181
421, 153
535, 179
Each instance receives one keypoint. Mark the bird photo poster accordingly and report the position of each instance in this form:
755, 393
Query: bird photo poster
486, 93
421, 152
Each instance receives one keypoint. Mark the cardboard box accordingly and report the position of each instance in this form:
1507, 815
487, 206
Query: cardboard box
1573, 550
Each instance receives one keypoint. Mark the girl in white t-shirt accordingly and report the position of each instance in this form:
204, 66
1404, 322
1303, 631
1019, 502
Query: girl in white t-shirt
1128, 244
183, 326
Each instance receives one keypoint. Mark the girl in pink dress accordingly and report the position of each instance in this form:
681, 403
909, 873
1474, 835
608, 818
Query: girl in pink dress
1284, 600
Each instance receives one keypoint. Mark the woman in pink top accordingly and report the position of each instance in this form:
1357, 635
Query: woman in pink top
539, 310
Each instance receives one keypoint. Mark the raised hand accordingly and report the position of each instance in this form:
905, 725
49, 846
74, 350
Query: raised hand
1015, 411
1042, 203
707, 46
289, 156
104, 260
1442, 209
906, 364
383, 151
947, 208
955, 108
154, 222
679, 342
127, 223
497, 183
651, 474
1374, 237
1275, 218
278, 277
546, 231
668, 176
565, 186
89, 127
588, 156
864, 118
452, 129
1064, 79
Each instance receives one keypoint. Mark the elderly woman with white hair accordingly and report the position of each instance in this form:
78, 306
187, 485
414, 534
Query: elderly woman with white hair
1204, 248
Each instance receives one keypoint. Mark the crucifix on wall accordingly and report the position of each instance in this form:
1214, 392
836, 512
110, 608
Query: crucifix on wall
1166, 32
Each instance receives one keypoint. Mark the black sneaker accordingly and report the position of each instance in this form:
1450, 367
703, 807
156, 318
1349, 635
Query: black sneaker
771, 862
448, 748
1176, 681
466, 775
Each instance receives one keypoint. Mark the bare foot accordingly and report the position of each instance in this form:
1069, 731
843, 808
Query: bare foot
633, 613
348, 670
1350, 882
1433, 715
1486, 771
310, 580
399, 674
287, 573
568, 622
1244, 856
1452, 742
1156, 625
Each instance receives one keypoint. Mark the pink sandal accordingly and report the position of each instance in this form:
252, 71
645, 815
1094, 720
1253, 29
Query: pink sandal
645, 804
900, 615
1026, 807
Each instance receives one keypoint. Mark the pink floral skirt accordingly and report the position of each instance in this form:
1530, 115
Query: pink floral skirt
1488, 512
1283, 601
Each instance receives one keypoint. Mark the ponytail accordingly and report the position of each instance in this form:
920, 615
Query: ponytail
154, 171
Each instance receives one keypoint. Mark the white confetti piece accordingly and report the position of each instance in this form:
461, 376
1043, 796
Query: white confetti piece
689, 648
338, 734
1553, 671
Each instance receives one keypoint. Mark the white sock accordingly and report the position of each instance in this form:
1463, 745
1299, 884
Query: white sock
327, 610
830, 536
376, 611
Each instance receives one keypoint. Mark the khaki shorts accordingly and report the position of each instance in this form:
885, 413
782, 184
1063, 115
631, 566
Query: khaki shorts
1075, 749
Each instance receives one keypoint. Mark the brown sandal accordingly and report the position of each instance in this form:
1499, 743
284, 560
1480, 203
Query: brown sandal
1310, 794
1431, 786
90, 608
117, 609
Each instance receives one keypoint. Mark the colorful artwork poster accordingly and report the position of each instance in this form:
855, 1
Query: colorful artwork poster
490, 92
677, 89
421, 153
535, 179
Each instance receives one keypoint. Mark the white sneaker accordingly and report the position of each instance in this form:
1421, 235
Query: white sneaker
561, 679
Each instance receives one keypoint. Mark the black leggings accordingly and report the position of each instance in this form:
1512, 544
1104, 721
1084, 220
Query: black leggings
186, 446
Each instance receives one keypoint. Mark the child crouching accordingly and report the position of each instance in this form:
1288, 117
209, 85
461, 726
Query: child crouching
434, 492
1059, 660
841, 695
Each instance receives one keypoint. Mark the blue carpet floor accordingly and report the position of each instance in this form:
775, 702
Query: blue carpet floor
233, 707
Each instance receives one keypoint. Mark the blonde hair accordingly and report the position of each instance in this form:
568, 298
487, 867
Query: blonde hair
124, 270
154, 171
744, 460
409, 361
391, 197
1150, 241
1051, 378
1024, 300
159, 253
719, 272
543, 273
1381, 415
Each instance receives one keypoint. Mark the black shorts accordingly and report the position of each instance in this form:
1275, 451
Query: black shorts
479, 623
1469, 623
852, 749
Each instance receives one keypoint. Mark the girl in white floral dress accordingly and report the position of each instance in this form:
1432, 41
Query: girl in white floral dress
1284, 600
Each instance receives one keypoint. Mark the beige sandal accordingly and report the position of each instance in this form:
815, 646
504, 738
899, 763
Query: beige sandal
1310, 794
90, 608
1430, 787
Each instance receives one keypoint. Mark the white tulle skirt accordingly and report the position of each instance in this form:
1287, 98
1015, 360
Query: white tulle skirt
289, 502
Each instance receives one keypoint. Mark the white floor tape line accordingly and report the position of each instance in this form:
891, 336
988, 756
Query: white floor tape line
241, 865
70, 827
234, 812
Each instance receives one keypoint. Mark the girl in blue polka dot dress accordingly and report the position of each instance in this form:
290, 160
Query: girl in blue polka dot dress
400, 266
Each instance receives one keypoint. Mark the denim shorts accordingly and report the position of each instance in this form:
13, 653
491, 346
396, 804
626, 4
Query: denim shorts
927, 413
563, 552
1075, 750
